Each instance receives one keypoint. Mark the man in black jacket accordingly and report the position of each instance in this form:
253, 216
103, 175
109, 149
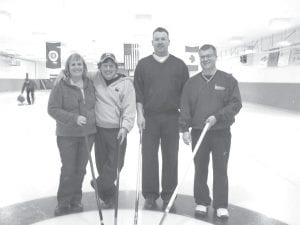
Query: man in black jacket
30, 86
211, 96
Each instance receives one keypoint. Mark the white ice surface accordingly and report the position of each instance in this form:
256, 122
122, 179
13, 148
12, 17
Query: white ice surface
264, 171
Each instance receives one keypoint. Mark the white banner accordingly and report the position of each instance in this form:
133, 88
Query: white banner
295, 56
192, 58
284, 57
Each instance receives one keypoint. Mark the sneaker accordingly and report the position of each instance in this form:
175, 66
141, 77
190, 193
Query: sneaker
222, 213
61, 210
201, 210
76, 208
150, 203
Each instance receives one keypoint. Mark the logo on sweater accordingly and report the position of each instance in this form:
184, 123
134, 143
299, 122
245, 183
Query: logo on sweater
220, 88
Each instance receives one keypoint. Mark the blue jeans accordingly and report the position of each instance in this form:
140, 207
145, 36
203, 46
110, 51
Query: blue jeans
74, 158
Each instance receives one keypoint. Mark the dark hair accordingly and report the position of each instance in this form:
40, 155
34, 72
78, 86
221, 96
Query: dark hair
75, 56
160, 29
208, 46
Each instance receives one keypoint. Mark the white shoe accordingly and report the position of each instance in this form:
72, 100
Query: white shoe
222, 213
201, 210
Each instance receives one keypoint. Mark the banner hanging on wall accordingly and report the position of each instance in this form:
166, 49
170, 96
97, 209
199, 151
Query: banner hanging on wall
284, 57
295, 56
53, 55
192, 58
131, 56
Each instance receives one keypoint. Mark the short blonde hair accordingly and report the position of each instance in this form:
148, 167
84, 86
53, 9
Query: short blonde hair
74, 56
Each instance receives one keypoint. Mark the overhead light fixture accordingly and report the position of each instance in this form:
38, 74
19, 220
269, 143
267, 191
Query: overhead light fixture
236, 40
279, 23
143, 17
38, 33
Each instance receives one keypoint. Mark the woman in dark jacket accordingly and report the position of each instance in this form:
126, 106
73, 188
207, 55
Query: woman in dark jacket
72, 105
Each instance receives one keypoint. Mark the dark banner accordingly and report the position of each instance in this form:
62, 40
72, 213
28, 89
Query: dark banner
53, 55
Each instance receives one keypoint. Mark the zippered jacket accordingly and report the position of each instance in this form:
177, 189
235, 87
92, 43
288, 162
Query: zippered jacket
115, 103
66, 103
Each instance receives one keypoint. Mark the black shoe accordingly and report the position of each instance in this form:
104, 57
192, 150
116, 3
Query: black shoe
76, 208
61, 210
150, 203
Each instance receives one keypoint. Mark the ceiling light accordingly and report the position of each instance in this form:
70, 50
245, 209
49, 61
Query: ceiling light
38, 33
143, 17
236, 40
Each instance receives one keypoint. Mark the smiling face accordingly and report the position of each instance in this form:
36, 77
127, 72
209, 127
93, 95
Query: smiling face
208, 59
108, 69
161, 43
76, 67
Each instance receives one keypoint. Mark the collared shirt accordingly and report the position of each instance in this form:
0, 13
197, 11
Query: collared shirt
208, 77
200, 99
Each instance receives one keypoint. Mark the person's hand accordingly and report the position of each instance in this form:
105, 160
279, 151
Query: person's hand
186, 137
141, 122
81, 120
122, 135
211, 121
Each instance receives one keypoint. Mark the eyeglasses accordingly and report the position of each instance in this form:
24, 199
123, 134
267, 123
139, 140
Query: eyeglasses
203, 57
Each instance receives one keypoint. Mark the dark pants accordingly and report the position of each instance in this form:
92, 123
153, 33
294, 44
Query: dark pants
74, 158
106, 155
161, 128
30, 93
218, 143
